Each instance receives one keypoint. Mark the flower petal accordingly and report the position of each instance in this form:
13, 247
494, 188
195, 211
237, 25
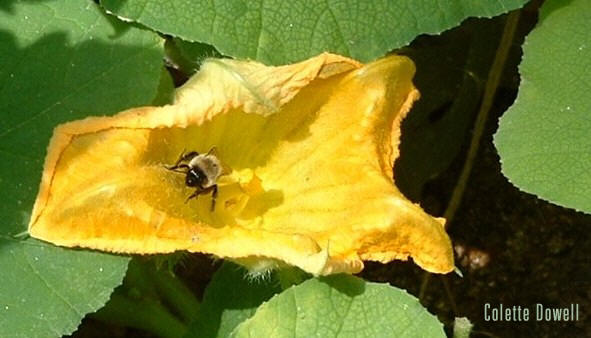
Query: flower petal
309, 149
336, 179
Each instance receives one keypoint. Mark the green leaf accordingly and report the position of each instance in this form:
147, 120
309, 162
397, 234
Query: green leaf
165, 92
279, 32
60, 60
151, 300
46, 290
544, 139
341, 306
230, 298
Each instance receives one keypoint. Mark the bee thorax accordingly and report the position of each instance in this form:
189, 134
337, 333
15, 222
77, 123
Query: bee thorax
209, 165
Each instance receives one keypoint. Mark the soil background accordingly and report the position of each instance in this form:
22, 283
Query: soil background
516, 250
512, 248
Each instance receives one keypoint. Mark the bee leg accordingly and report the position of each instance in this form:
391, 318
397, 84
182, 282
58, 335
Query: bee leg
194, 195
176, 164
176, 168
200, 191
212, 151
188, 156
214, 195
183, 158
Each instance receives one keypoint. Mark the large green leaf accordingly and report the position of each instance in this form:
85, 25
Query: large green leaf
341, 306
544, 139
278, 32
46, 290
59, 60
230, 298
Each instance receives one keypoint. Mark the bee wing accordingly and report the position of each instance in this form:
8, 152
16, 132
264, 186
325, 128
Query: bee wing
213, 151
225, 168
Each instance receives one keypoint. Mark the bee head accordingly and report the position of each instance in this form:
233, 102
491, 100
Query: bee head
195, 177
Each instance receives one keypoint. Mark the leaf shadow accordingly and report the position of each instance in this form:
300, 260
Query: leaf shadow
47, 82
230, 298
8, 5
550, 7
113, 6
346, 284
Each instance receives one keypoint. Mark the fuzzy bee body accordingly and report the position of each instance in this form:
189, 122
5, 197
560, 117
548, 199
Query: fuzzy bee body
201, 172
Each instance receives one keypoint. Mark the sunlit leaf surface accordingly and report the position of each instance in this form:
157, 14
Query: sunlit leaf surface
279, 32
544, 139
59, 60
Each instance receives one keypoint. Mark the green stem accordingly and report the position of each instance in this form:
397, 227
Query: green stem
145, 315
490, 90
176, 293
146, 299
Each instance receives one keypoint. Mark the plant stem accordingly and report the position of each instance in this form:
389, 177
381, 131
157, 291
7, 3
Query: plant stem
146, 299
490, 90
492, 83
145, 315
176, 294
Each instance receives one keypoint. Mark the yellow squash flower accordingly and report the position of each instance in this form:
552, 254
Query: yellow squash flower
307, 149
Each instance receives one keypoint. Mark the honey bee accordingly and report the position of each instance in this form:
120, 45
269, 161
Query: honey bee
201, 172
